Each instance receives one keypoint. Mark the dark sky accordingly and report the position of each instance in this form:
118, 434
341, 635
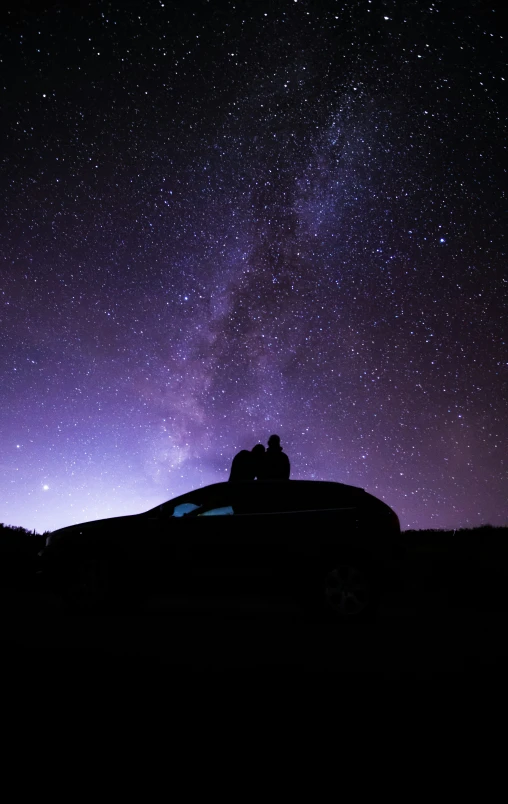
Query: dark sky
222, 220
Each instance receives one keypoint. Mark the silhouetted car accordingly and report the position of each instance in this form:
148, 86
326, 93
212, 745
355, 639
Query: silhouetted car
333, 548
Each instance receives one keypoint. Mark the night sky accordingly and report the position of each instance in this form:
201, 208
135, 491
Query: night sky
222, 220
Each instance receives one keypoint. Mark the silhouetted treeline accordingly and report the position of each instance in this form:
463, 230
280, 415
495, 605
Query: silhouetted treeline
480, 535
17, 529
488, 529
19, 538
487, 545
18, 552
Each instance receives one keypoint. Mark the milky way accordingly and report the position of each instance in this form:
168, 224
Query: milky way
224, 220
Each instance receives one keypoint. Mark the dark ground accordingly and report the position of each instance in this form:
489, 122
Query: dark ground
452, 618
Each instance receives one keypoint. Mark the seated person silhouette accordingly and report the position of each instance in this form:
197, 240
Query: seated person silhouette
275, 464
247, 465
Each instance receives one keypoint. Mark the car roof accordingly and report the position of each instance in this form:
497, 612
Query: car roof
280, 486
283, 493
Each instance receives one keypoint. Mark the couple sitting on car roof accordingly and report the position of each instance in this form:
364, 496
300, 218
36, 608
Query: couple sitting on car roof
261, 464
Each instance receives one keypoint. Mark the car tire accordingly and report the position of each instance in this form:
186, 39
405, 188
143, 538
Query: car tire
342, 590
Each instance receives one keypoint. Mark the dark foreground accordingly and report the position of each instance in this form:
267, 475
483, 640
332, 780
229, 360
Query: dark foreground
451, 618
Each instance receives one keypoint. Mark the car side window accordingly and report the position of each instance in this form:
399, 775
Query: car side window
225, 510
184, 508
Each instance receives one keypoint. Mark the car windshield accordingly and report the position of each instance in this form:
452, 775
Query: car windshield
185, 508
174, 508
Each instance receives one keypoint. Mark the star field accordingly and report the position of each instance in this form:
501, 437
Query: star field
222, 220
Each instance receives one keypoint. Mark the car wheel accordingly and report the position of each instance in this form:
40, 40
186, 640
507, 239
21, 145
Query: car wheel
343, 591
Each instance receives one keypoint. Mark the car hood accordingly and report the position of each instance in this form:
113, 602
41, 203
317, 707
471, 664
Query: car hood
71, 530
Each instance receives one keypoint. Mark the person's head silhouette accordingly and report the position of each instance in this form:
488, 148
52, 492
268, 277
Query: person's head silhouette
274, 442
275, 465
258, 451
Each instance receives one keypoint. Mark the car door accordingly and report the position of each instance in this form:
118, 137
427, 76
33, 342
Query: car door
230, 548
171, 556
188, 546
